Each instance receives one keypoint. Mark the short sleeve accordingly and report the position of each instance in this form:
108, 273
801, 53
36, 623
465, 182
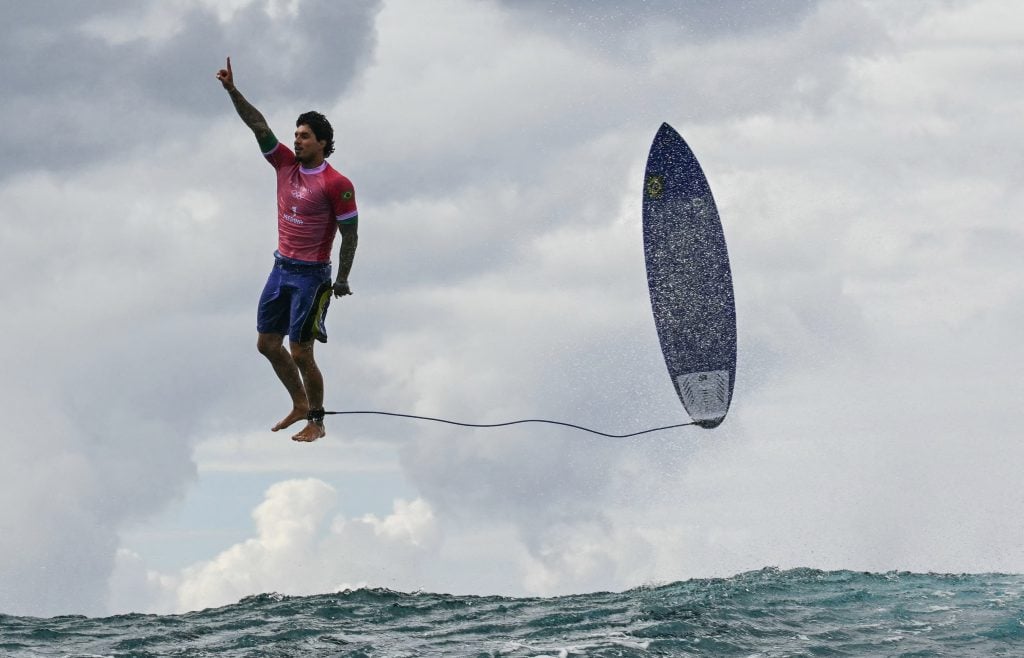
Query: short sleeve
343, 200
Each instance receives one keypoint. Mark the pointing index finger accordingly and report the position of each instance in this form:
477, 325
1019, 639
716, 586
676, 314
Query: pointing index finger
229, 66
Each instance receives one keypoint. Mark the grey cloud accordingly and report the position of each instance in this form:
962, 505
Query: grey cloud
74, 98
790, 140
72, 481
310, 57
579, 101
114, 374
614, 25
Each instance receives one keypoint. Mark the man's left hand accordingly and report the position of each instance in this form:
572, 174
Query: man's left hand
341, 289
226, 77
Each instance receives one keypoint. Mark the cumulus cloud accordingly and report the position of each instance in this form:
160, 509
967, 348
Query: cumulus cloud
116, 236
865, 158
849, 213
303, 544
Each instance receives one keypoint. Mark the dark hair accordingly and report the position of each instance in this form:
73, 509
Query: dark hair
321, 128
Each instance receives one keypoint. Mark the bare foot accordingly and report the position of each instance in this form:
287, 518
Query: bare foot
297, 414
311, 432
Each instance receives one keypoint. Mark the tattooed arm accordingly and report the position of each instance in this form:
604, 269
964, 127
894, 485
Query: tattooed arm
250, 115
349, 242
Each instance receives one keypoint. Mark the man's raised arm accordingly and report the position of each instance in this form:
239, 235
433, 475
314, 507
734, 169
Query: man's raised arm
250, 115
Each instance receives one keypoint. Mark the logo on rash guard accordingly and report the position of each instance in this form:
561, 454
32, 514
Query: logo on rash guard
292, 219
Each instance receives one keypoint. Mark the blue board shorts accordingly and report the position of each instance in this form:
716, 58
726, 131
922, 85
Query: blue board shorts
295, 300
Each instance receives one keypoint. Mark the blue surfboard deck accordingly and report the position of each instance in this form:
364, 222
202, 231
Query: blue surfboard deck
689, 279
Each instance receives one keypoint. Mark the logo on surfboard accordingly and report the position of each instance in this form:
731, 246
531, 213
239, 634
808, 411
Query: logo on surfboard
655, 187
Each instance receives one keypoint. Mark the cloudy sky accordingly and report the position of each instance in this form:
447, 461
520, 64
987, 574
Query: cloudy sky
867, 162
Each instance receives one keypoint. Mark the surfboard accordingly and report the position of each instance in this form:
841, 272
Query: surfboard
689, 279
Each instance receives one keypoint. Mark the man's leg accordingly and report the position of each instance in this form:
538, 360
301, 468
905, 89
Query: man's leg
272, 347
302, 356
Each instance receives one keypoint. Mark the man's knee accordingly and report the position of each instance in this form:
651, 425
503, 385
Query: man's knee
269, 344
302, 353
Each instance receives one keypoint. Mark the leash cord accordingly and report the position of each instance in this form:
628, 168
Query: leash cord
512, 422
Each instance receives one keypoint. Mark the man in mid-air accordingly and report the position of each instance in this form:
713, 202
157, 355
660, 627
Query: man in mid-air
312, 199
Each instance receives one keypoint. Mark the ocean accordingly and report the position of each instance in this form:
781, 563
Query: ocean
769, 613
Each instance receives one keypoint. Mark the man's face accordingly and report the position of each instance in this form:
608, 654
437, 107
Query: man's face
307, 148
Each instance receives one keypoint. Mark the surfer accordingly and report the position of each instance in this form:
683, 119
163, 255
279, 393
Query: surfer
312, 199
